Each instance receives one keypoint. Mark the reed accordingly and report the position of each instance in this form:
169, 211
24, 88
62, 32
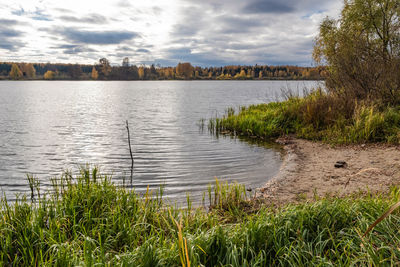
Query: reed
87, 220
317, 116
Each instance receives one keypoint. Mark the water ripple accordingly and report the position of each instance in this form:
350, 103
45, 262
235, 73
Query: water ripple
48, 127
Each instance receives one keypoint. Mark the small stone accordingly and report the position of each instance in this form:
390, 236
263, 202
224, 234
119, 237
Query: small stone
340, 164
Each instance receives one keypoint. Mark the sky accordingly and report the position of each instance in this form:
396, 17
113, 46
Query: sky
164, 32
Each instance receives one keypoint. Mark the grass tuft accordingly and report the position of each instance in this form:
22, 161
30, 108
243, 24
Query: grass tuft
318, 116
87, 220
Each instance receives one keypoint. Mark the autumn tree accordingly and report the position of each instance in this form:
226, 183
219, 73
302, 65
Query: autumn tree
185, 70
362, 50
141, 73
15, 72
95, 74
104, 68
28, 70
49, 75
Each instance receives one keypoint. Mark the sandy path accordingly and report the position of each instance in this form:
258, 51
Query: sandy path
309, 167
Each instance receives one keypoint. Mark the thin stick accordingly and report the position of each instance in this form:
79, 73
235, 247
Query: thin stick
130, 149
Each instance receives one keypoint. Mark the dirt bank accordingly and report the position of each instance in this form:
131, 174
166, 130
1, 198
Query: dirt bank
309, 168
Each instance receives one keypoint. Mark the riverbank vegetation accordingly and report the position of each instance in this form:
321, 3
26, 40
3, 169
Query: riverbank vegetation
103, 70
88, 220
360, 101
318, 116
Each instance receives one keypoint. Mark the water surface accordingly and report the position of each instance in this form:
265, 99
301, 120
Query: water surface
47, 127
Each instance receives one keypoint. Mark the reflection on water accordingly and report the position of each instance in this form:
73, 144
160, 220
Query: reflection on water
47, 127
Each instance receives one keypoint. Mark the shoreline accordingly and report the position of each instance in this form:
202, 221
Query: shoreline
308, 170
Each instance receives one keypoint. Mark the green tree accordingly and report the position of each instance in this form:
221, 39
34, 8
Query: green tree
362, 50
15, 72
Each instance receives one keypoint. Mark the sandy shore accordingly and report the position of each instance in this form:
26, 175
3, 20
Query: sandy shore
308, 168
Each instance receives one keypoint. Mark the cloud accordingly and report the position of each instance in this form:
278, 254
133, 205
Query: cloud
36, 14
8, 36
206, 32
9, 22
10, 44
97, 37
7, 45
238, 24
18, 12
7, 32
143, 50
91, 19
269, 6
74, 49
124, 3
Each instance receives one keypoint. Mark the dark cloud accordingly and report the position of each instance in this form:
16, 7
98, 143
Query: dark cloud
185, 30
18, 12
269, 6
125, 48
8, 37
9, 32
238, 24
185, 54
10, 44
8, 22
91, 19
143, 50
223, 32
122, 55
38, 14
78, 50
74, 49
97, 37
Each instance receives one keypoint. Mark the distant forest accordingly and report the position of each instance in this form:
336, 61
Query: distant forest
103, 70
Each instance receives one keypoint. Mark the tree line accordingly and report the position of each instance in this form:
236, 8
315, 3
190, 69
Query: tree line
103, 70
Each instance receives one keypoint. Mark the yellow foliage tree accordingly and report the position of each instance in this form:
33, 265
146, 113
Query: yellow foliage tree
141, 72
95, 74
15, 72
30, 71
184, 70
49, 75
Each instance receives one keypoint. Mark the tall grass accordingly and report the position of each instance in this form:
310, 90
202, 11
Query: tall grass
87, 220
318, 116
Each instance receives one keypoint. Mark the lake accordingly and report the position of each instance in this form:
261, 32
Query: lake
50, 126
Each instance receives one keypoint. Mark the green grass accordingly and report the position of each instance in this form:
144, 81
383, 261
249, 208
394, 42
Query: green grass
316, 117
87, 221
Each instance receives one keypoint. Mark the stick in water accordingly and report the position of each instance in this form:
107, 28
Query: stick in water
130, 149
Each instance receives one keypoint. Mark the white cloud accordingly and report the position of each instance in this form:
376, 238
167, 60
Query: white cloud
205, 32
